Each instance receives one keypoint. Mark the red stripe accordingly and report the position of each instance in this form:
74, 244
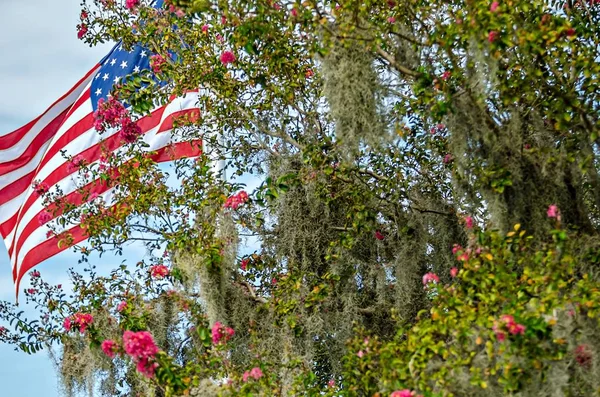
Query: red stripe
50, 247
8, 225
15, 188
11, 139
167, 124
36, 144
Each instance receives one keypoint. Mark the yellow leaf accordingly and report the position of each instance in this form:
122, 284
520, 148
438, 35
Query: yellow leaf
517, 227
483, 385
489, 257
478, 341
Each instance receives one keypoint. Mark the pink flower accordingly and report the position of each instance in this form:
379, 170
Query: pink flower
227, 57
35, 274
40, 188
463, 257
139, 345
109, 348
220, 333
469, 222
402, 393
516, 329
236, 200
492, 36
508, 319
159, 271
331, 383
76, 163
44, 217
429, 277
121, 306
204, 28
456, 248
294, 12
309, 73
67, 324
130, 130
130, 4
454, 272
583, 355
244, 264
501, 336
379, 235
391, 20
109, 113
360, 354
256, 373
82, 30
223, 19
31, 291
447, 158
3, 330
494, 6
83, 320
146, 367
570, 32
446, 75
553, 212
156, 62
246, 376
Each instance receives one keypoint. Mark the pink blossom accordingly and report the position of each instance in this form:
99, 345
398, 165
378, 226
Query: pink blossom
429, 277
331, 383
469, 222
40, 188
156, 63
75, 164
223, 19
204, 28
360, 354
454, 272
446, 75
227, 57
402, 393
3, 330
256, 373
494, 6
583, 355
31, 291
83, 320
391, 20
130, 130
553, 212
109, 348
294, 12
109, 113
44, 217
221, 334
456, 248
121, 306
35, 274
82, 30
379, 235
159, 271
67, 324
463, 257
309, 73
492, 36
83, 15
146, 367
139, 345
501, 336
447, 158
570, 32
517, 329
244, 264
236, 200
130, 4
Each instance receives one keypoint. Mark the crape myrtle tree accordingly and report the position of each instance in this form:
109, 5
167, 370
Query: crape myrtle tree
427, 222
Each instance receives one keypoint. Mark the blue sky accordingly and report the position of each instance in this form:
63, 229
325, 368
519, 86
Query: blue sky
40, 59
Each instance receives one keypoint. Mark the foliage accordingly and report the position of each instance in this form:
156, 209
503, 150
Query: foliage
387, 135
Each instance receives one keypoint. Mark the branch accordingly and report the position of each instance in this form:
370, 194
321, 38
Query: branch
392, 61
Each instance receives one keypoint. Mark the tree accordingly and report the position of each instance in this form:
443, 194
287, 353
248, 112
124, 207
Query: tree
427, 222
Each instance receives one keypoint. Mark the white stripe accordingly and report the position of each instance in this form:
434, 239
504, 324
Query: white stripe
15, 175
15, 151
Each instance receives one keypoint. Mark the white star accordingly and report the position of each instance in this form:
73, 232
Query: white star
98, 92
117, 79
105, 77
136, 69
123, 64
113, 61
143, 53
120, 47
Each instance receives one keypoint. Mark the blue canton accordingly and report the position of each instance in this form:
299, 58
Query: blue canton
115, 67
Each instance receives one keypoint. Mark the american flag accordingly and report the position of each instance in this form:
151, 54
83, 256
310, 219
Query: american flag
37, 153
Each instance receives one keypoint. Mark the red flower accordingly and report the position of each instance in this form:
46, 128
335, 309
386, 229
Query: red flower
139, 345
454, 272
35, 274
309, 73
391, 20
429, 277
469, 222
494, 6
44, 217
583, 356
67, 324
294, 12
156, 63
379, 235
83, 320
159, 271
492, 36
130, 4
81, 30
227, 57
109, 348
570, 32
244, 264
220, 333
402, 393
446, 75
121, 306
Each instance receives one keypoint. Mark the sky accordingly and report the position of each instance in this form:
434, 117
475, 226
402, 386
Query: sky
40, 59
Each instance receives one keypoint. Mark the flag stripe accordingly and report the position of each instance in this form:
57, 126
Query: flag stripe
49, 247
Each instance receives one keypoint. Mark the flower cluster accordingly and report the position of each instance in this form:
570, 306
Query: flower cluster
129, 130
142, 349
583, 355
110, 113
508, 323
40, 188
553, 212
75, 164
156, 63
159, 271
254, 373
429, 277
227, 57
109, 347
131, 4
81, 320
403, 393
236, 200
221, 334
44, 217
